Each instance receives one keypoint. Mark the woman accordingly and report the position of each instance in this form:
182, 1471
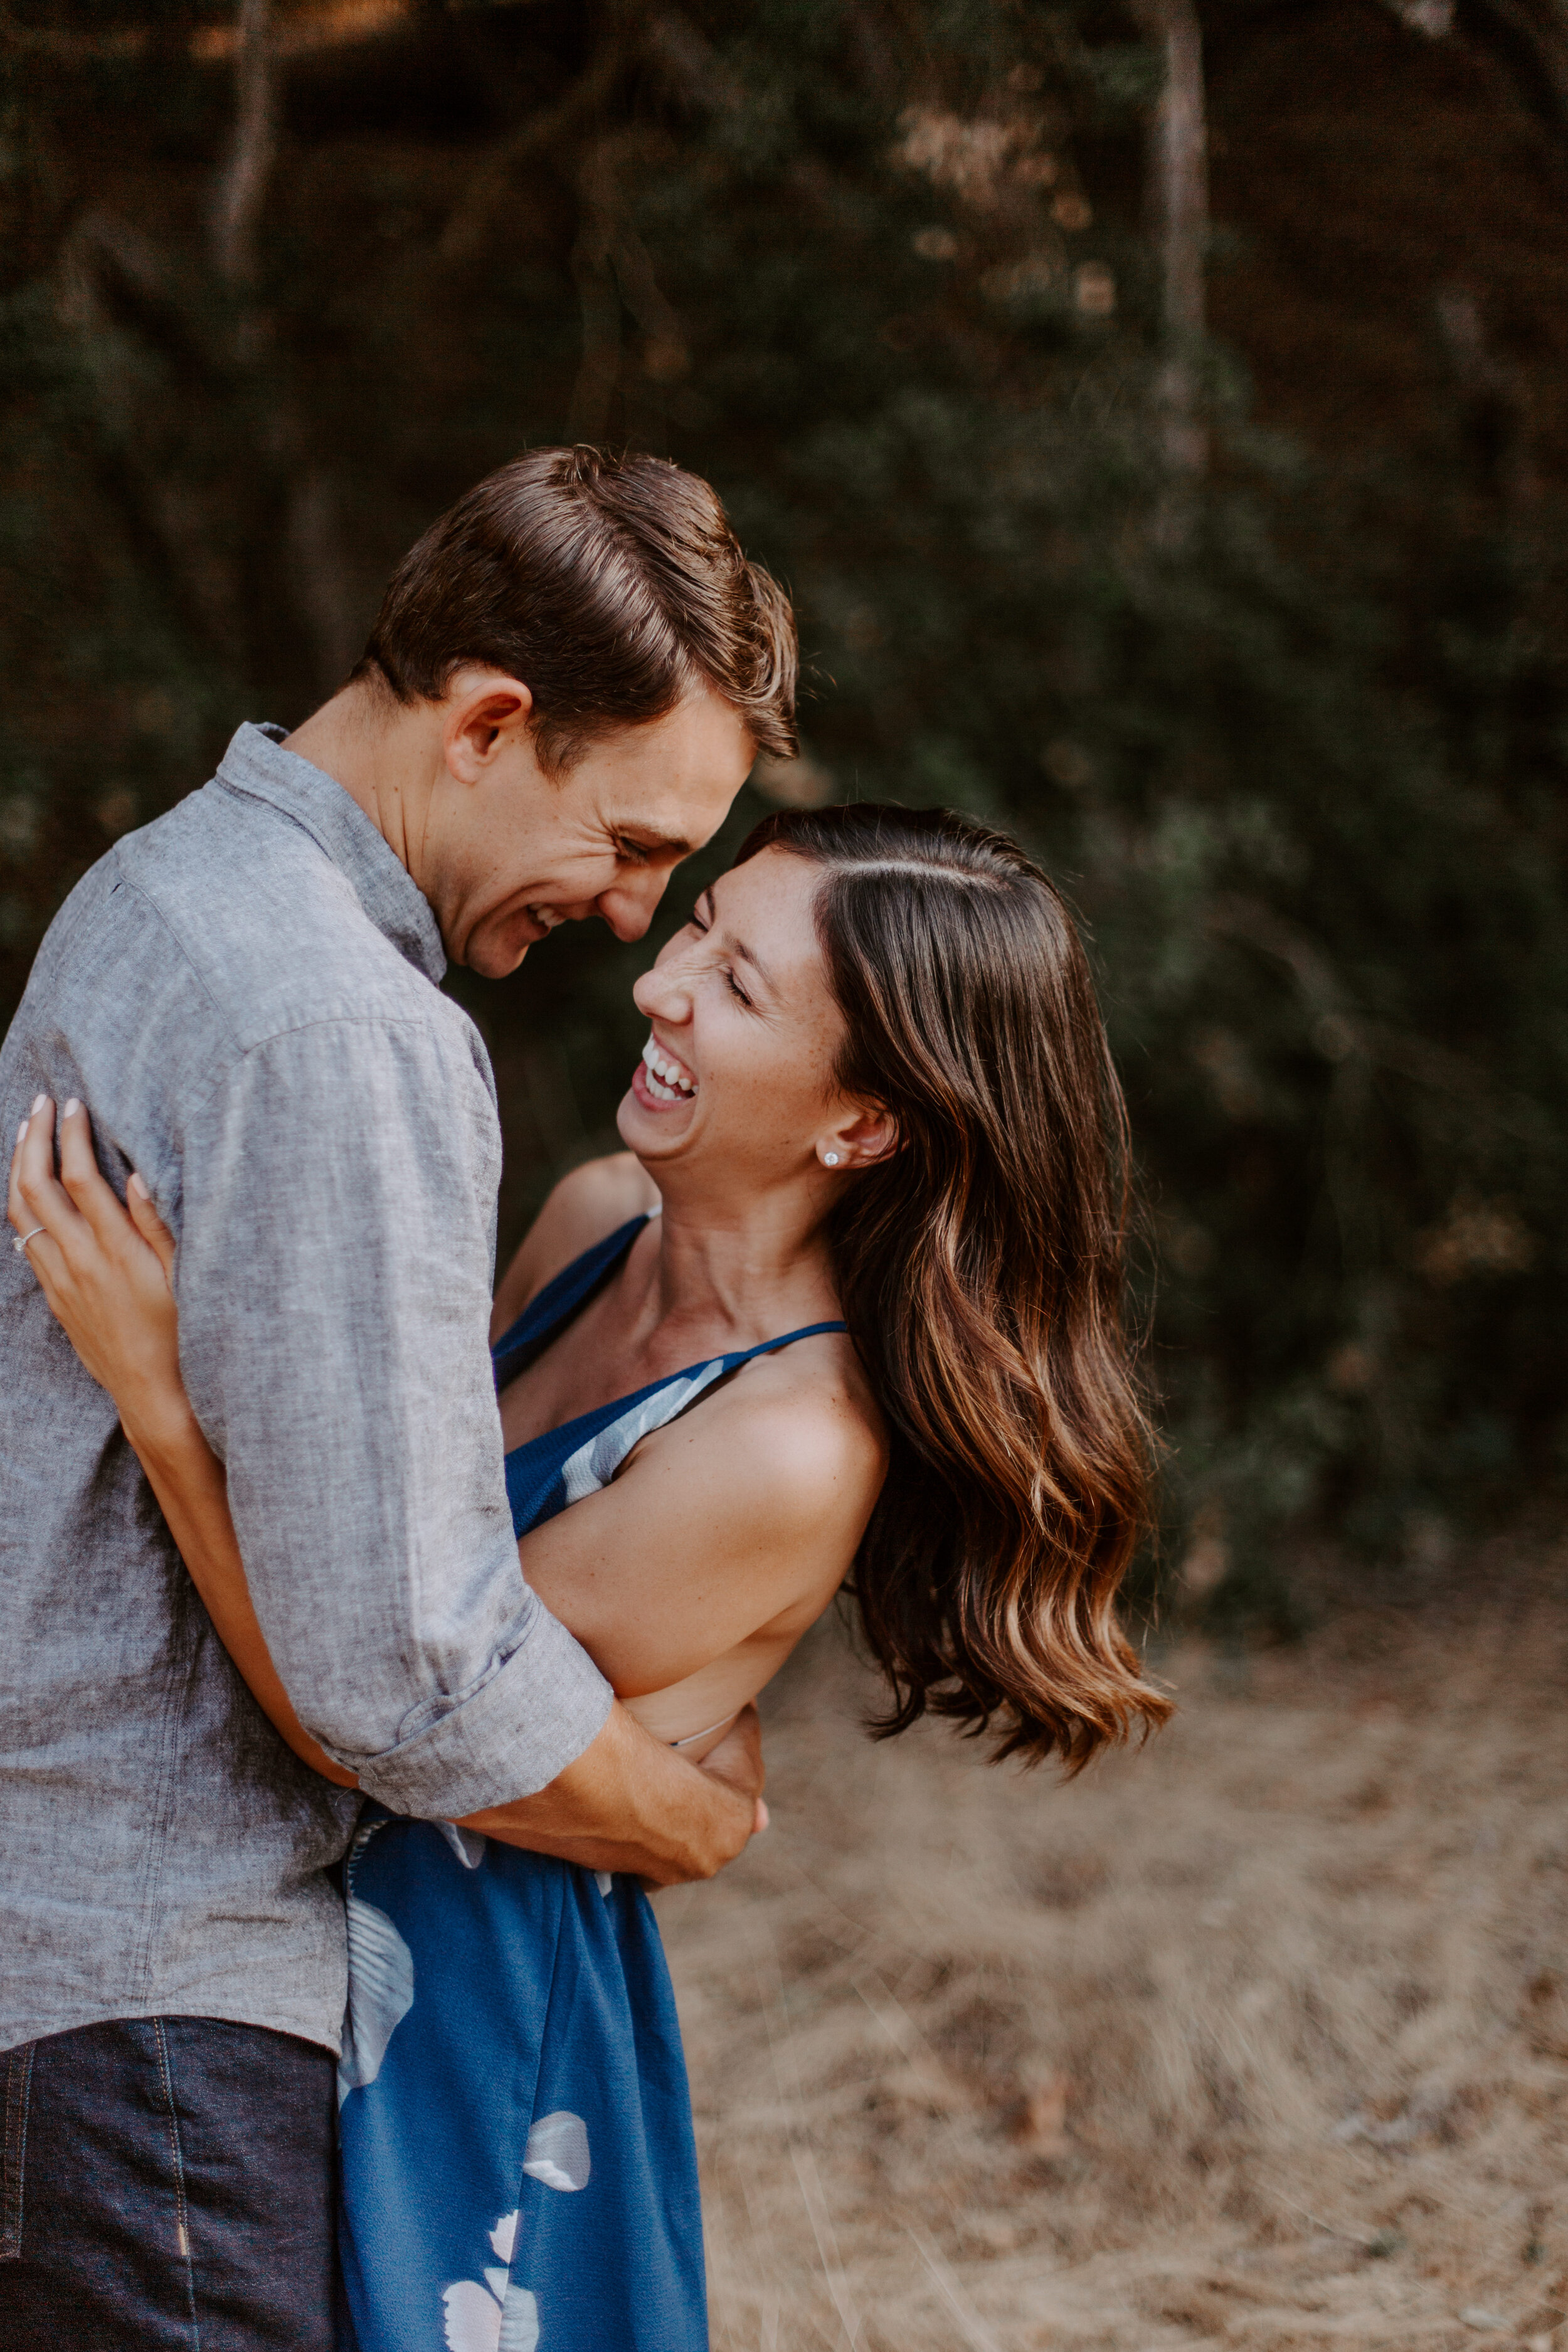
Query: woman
849, 1307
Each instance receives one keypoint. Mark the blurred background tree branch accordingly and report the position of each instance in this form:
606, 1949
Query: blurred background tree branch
1222, 560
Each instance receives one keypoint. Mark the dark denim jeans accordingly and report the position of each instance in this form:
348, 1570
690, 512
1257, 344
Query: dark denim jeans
167, 2181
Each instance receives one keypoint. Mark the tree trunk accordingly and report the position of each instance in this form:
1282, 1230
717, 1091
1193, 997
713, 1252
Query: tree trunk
242, 187
1179, 211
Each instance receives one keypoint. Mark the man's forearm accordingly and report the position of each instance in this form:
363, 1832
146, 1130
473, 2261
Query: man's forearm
628, 1803
376, 1541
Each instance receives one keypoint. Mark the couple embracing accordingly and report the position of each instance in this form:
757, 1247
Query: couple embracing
368, 1644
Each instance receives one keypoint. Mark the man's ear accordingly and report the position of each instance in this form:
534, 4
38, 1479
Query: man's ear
485, 711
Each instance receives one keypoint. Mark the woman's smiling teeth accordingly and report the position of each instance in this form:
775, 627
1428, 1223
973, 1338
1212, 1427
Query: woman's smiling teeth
668, 1080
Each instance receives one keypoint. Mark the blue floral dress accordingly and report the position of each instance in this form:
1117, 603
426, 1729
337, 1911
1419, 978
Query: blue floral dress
518, 2164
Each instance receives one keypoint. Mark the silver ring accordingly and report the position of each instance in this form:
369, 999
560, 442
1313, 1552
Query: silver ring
20, 1243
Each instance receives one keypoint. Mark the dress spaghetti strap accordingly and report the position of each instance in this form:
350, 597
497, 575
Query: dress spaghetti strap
561, 1298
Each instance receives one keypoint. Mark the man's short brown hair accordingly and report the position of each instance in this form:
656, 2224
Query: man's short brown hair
608, 585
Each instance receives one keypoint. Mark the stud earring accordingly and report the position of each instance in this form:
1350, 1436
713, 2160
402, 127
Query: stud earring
831, 1158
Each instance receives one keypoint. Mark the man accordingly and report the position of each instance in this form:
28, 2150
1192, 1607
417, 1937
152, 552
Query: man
566, 685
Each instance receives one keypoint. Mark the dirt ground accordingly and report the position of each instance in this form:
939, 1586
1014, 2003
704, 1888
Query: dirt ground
1259, 2037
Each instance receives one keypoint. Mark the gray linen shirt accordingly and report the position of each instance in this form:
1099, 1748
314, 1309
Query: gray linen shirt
244, 994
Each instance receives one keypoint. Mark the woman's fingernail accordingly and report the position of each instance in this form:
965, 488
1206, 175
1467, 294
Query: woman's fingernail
38, 1102
137, 1186
22, 1132
71, 1108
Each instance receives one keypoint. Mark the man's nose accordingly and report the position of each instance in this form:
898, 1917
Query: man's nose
629, 907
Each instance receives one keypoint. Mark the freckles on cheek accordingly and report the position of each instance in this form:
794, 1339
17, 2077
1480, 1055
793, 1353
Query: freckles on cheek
750, 1091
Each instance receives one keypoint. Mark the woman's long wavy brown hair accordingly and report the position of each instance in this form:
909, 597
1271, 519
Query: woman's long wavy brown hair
980, 1269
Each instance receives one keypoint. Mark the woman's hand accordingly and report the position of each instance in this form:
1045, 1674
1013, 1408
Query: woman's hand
103, 1269
738, 1759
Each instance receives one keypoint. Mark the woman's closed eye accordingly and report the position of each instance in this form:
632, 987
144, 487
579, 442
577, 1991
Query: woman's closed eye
697, 924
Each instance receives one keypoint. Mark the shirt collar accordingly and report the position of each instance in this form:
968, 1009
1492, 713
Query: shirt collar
257, 763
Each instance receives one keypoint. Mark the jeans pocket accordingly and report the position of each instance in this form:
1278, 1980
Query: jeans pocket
16, 2066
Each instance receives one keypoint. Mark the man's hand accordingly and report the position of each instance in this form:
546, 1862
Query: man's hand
629, 1803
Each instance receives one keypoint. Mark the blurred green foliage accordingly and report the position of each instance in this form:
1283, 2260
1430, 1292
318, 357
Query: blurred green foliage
1294, 742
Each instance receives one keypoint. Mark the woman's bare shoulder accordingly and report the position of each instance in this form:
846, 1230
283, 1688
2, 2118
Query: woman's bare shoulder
799, 1438
737, 1521
584, 1206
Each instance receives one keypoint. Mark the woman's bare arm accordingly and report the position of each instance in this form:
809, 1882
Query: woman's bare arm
743, 1515
188, 1479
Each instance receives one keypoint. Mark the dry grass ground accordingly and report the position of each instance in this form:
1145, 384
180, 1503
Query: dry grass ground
1259, 2038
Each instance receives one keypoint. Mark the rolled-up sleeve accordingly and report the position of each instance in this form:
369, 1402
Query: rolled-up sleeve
333, 1283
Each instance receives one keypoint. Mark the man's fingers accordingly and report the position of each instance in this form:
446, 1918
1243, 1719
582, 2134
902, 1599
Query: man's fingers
149, 1223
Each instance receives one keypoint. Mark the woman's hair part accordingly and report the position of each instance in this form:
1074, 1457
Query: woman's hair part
981, 1272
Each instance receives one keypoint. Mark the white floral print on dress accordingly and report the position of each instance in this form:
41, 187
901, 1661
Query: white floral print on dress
380, 1993
557, 2151
497, 2317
